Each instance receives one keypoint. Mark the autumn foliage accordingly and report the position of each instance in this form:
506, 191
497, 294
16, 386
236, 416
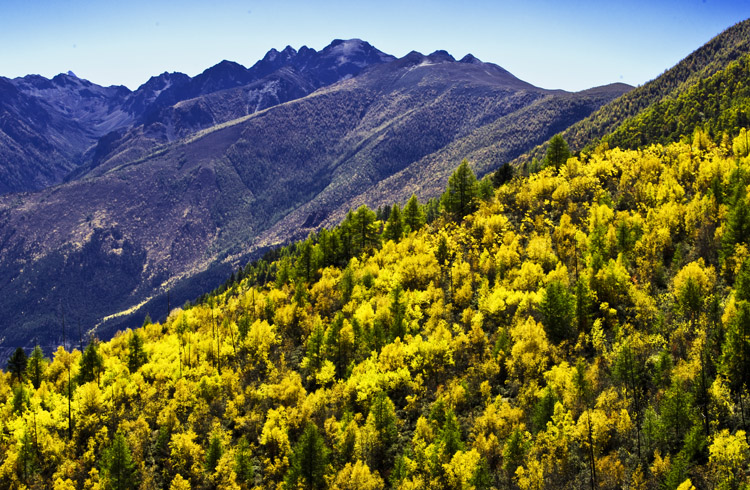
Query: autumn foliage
587, 326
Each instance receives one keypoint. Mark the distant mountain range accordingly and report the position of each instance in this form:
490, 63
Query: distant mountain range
114, 198
51, 127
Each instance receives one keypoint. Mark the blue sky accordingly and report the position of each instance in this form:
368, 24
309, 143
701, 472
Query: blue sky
552, 44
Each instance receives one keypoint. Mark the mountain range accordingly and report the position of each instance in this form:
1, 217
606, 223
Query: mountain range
74, 121
118, 203
577, 321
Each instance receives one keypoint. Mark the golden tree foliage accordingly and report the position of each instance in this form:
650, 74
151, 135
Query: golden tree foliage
447, 327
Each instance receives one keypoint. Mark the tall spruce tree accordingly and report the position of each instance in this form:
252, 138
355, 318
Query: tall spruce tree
364, 229
91, 363
36, 366
558, 311
414, 217
557, 152
17, 364
394, 227
117, 465
459, 198
309, 460
137, 357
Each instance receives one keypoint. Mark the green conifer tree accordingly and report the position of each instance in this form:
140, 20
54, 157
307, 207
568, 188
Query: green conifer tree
364, 229
307, 465
17, 364
90, 364
214, 453
37, 364
557, 152
459, 198
118, 469
394, 227
137, 357
414, 217
558, 310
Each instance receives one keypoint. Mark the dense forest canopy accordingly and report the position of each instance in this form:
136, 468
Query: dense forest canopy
585, 326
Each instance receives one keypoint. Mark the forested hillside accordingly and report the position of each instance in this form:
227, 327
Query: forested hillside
585, 326
152, 226
717, 105
713, 57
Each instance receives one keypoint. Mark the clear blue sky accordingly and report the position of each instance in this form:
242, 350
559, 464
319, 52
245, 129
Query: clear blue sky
553, 44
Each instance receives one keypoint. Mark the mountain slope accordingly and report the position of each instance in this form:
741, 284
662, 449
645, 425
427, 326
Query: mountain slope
181, 217
712, 57
573, 332
39, 145
83, 124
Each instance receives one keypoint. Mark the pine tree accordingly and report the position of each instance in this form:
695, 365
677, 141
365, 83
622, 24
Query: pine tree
243, 465
676, 412
557, 152
308, 461
118, 468
36, 366
20, 398
27, 460
364, 229
398, 313
345, 237
558, 310
346, 285
214, 453
485, 189
137, 357
432, 209
17, 364
394, 227
737, 227
514, 453
735, 356
304, 266
459, 198
450, 436
414, 217
544, 409
91, 363
384, 419
502, 175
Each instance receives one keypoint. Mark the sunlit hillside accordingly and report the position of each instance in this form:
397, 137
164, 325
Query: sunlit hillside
585, 326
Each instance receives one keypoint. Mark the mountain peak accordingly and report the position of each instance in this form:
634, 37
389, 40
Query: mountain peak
441, 56
225, 70
69, 78
347, 47
271, 55
288, 52
226, 64
355, 51
348, 42
470, 59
